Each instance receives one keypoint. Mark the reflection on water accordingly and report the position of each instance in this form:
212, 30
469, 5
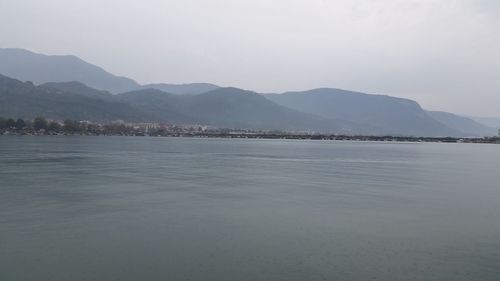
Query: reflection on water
117, 208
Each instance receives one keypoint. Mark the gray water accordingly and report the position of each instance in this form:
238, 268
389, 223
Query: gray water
118, 208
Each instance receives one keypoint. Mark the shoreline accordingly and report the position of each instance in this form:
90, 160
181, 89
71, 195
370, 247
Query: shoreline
327, 137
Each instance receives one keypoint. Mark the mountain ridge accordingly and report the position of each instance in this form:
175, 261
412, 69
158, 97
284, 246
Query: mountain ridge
468, 126
182, 89
26, 100
223, 107
331, 109
231, 108
26, 65
392, 115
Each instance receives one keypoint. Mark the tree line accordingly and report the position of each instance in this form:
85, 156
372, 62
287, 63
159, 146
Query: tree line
37, 124
41, 125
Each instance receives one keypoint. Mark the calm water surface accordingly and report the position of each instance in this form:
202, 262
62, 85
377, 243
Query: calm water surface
118, 208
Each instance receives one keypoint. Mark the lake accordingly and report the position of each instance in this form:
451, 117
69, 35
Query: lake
132, 208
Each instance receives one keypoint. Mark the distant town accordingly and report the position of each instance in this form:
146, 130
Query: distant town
42, 126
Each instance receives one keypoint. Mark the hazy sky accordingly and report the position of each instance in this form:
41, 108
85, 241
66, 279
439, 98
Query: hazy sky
443, 53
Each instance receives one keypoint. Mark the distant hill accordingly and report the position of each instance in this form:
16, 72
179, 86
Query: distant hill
160, 106
492, 122
25, 100
38, 68
182, 89
394, 116
463, 124
25, 65
69, 87
77, 88
222, 107
231, 108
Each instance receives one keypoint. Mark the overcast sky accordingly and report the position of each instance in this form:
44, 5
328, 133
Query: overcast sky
442, 53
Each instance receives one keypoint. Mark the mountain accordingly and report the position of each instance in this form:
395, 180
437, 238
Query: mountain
77, 88
492, 122
182, 89
73, 88
231, 108
222, 107
38, 68
25, 65
390, 115
25, 100
160, 106
463, 124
